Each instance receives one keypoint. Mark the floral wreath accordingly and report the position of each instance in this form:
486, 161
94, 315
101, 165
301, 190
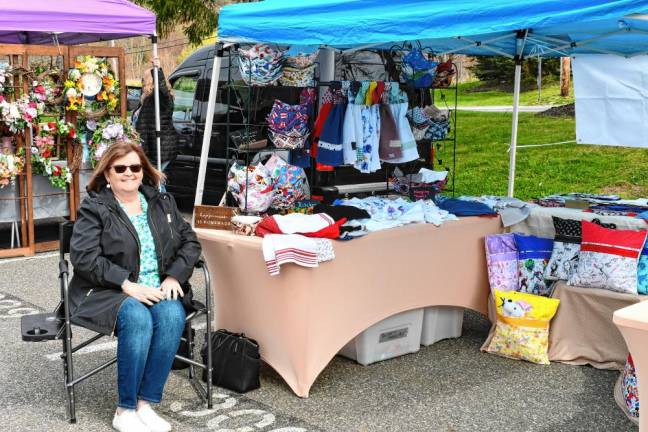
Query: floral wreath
80, 78
48, 88
21, 113
43, 149
108, 133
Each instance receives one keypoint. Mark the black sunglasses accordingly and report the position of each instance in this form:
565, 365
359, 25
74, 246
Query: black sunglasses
121, 169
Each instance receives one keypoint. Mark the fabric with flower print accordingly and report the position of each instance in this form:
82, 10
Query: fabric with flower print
629, 388
522, 327
148, 271
501, 259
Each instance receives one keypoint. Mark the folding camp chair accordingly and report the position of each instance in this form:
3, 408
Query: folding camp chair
57, 325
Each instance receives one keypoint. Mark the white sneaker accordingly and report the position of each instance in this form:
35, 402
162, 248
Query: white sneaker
154, 422
129, 421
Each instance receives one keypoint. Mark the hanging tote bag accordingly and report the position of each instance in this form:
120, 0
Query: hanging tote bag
235, 361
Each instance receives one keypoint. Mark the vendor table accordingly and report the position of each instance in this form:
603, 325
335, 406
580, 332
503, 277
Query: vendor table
303, 317
633, 323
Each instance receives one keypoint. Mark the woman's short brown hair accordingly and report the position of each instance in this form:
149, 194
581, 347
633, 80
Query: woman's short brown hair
152, 176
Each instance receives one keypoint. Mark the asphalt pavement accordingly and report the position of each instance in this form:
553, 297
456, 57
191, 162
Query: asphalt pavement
450, 386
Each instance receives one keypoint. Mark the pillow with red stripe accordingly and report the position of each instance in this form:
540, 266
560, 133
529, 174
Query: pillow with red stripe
608, 258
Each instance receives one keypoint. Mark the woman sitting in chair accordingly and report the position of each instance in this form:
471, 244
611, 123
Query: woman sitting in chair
132, 254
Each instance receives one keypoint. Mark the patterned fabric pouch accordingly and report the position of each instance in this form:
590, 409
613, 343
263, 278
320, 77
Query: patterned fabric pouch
290, 183
417, 70
260, 65
438, 130
284, 117
251, 187
533, 256
501, 259
291, 140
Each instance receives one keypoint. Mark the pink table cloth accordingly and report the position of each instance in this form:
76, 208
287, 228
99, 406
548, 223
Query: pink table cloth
303, 317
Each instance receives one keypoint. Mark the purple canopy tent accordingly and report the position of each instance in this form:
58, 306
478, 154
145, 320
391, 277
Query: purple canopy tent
72, 22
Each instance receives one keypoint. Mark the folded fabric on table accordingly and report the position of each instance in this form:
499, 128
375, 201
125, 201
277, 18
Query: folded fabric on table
460, 207
338, 212
281, 249
315, 225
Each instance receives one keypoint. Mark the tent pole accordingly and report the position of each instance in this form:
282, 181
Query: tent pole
521, 38
209, 122
156, 92
514, 130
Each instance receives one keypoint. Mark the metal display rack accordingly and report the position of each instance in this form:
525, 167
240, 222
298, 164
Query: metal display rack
434, 148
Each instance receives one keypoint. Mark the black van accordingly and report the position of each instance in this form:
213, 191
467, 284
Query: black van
190, 82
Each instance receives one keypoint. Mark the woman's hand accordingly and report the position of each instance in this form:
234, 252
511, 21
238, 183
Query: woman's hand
144, 294
155, 62
171, 288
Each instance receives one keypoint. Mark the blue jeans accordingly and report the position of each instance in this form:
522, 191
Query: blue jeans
147, 340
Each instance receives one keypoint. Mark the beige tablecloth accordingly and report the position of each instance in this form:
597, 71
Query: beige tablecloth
582, 332
303, 317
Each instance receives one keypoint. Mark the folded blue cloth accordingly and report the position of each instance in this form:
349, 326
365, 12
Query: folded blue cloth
464, 208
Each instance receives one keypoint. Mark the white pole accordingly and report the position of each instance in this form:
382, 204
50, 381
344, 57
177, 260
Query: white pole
514, 130
209, 121
156, 93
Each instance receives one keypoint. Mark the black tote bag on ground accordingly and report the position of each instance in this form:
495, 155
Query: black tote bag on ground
235, 361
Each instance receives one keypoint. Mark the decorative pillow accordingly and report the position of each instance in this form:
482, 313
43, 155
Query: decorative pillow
629, 388
501, 258
533, 256
522, 327
564, 257
642, 272
608, 258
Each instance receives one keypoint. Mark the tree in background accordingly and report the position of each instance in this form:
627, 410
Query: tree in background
198, 18
498, 71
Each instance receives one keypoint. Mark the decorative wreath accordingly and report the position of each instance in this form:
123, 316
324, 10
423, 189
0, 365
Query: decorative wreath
91, 88
45, 160
48, 88
108, 133
19, 114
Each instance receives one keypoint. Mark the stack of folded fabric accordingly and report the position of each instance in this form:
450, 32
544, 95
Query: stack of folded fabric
299, 70
288, 125
429, 123
261, 65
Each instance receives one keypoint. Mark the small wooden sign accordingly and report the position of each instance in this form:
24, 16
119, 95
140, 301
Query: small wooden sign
214, 217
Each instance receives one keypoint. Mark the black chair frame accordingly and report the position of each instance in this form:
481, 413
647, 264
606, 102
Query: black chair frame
57, 325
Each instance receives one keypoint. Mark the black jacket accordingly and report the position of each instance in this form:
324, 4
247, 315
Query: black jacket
104, 251
146, 124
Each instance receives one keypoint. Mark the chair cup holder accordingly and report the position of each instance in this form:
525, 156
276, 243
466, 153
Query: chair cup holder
40, 327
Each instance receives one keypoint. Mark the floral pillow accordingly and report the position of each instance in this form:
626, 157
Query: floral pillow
608, 258
501, 259
533, 257
564, 257
642, 272
522, 327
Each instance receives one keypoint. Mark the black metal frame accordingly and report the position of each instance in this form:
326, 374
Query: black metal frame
65, 334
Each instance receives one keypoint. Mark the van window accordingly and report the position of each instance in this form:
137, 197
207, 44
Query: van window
184, 89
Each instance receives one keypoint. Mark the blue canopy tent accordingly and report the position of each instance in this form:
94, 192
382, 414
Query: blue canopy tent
553, 28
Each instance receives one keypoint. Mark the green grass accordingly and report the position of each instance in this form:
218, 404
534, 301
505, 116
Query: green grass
474, 93
483, 161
